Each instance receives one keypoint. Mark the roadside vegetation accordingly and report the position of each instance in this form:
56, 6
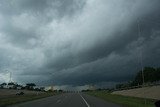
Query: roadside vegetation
14, 99
13, 93
151, 78
123, 100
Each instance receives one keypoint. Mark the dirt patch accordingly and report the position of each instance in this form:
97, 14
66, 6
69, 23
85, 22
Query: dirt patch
146, 92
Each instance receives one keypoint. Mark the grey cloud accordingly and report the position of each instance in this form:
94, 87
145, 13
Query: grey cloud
22, 19
63, 7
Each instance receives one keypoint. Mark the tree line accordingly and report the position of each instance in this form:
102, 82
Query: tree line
151, 76
28, 86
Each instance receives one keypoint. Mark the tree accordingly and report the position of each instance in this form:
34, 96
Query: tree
158, 74
11, 83
4, 84
30, 86
150, 75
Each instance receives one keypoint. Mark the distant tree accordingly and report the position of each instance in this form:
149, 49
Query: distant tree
60, 91
37, 89
87, 90
42, 88
23, 88
118, 86
30, 86
55, 91
11, 83
150, 75
157, 74
4, 84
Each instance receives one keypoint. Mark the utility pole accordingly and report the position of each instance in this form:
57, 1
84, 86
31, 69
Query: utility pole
10, 76
141, 57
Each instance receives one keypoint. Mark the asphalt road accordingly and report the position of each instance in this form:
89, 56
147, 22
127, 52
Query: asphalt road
68, 100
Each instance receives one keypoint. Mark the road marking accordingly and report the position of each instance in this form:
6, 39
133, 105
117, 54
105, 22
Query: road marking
84, 100
58, 101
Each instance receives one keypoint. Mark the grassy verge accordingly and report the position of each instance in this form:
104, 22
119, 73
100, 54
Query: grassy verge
22, 98
123, 100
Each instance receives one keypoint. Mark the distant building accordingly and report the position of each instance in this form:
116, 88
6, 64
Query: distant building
92, 87
49, 88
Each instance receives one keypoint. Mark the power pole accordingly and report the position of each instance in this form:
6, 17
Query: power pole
141, 57
10, 77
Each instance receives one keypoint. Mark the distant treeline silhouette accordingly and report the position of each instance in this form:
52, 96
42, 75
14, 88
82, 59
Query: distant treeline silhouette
151, 76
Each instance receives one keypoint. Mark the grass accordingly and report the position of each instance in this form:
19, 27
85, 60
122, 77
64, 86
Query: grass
22, 98
123, 100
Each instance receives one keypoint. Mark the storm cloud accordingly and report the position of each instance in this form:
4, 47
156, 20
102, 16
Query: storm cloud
77, 42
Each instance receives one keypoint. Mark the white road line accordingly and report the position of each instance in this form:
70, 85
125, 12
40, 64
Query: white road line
84, 100
58, 101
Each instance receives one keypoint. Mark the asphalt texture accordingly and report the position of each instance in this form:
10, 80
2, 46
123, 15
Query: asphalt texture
68, 100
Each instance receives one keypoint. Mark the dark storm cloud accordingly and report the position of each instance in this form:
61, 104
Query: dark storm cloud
77, 42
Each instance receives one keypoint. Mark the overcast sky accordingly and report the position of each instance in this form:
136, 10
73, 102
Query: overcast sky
77, 42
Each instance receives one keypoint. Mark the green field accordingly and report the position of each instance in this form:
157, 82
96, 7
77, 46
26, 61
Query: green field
4, 101
123, 100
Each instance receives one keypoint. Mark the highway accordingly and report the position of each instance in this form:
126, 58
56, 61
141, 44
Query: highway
68, 100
